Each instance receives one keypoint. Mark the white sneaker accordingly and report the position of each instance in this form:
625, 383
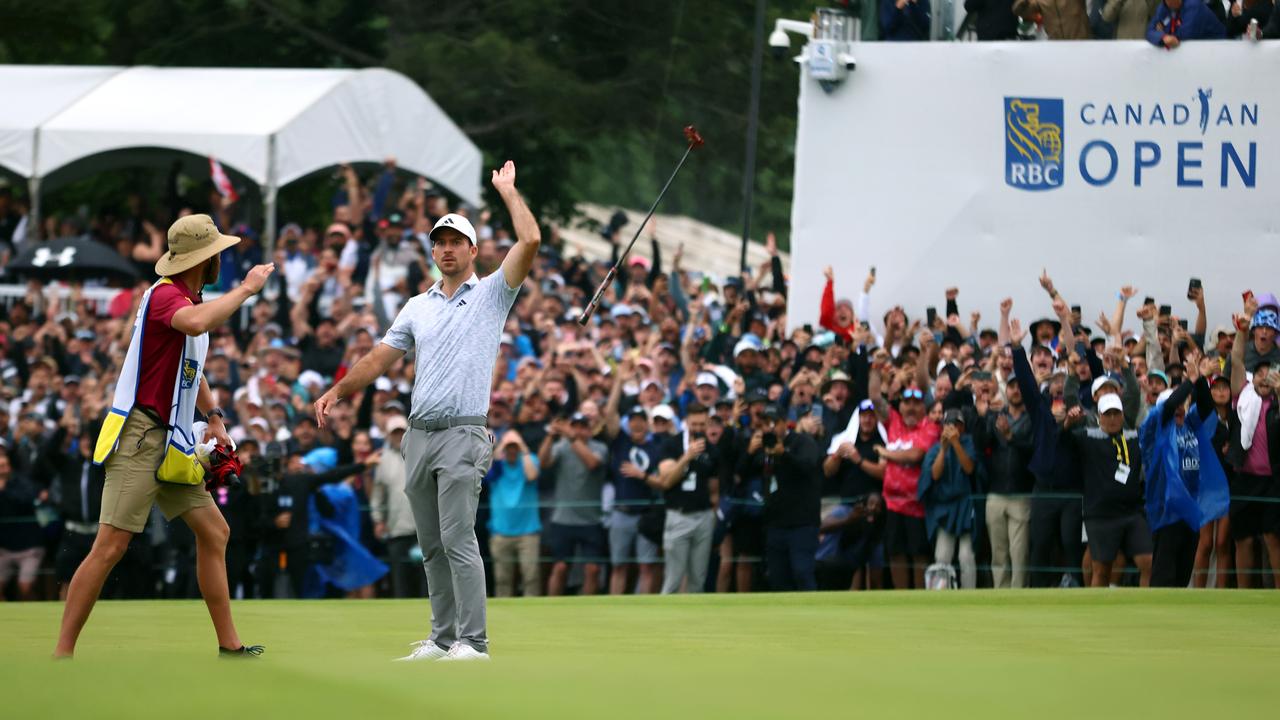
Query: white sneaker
462, 652
424, 650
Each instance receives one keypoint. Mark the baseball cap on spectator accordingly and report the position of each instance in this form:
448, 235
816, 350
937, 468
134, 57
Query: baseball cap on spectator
621, 310
1215, 379
273, 328
953, 416
1110, 403
259, 423
307, 378
338, 229
1221, 330
84, 334
1104, 381
278, 345
396, 422
758, 395
71, 380
454, 221
706, 378
663, 411
393, 406
867, 406
748, 343
383, 384
507, 339
668, 347
644, 384
771, 411
578, 419
1158, 374
637, 260
395, 218
638, 411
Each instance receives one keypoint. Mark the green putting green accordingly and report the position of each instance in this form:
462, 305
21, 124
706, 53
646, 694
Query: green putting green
1039, 654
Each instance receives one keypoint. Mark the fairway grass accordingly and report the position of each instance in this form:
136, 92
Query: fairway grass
1141, 655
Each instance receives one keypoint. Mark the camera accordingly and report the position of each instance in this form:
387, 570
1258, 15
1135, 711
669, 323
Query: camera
770, 439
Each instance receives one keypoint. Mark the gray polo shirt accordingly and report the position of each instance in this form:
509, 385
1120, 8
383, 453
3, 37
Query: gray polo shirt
456, 341
577, 493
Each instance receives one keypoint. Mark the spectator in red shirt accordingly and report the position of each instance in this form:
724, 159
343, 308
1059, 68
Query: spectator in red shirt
910, 435
838, 317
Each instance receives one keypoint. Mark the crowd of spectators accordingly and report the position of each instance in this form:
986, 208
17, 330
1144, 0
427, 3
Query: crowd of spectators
1164, 23
688, 439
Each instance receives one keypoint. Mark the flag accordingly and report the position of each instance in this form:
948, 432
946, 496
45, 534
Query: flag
221, 181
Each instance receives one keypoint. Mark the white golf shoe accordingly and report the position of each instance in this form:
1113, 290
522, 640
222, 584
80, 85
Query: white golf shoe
462, 652
424, 650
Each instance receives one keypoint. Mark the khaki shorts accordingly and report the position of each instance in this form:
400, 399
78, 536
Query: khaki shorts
26, 563
131, 486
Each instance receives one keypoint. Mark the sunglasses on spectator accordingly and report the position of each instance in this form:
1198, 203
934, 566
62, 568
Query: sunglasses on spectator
912, 394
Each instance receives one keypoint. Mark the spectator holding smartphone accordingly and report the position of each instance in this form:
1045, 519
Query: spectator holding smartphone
1255, 446
946, 489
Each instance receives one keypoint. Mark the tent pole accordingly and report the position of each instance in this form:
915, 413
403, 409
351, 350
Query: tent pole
269, 203
33, 211
33, 189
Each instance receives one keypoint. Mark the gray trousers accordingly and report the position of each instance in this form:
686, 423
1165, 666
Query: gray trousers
686, 541
443, 473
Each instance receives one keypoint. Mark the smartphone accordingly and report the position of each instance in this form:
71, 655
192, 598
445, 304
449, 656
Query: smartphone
982, 375
808, 329
873, 271
1148, 300
1166, 310
1182, 324
1192, 287
931, 314
1075, 309
865, 325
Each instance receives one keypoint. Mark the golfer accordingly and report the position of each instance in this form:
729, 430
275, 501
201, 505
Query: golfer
147, 440
454, 329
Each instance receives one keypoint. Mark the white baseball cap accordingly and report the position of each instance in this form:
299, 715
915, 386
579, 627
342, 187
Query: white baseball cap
1108, 403
454, 221
706, 378
663, 411
1102, 382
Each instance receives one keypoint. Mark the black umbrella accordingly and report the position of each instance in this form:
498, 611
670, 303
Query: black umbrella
74, 258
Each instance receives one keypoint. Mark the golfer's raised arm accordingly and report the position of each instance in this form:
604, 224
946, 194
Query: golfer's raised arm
528, 237
369, 368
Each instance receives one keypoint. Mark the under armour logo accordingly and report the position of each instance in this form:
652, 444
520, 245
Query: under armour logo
44, 256
461, 303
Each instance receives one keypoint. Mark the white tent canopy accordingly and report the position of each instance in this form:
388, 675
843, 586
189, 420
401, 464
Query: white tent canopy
274, 126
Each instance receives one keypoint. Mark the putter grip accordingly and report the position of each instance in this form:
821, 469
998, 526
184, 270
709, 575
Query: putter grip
595, 299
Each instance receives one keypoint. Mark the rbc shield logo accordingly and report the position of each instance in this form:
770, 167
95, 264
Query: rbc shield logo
1033, 143
190, 370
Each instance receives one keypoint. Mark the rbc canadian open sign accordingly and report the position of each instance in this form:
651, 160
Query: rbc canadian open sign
1033, 143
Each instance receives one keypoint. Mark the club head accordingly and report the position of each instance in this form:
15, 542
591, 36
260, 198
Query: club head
691, 134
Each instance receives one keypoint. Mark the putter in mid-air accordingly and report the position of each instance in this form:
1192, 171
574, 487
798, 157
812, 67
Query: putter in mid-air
695, 140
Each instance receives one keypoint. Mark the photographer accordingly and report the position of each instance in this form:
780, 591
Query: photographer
946, 488
286, 539
786, 465
859, 520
